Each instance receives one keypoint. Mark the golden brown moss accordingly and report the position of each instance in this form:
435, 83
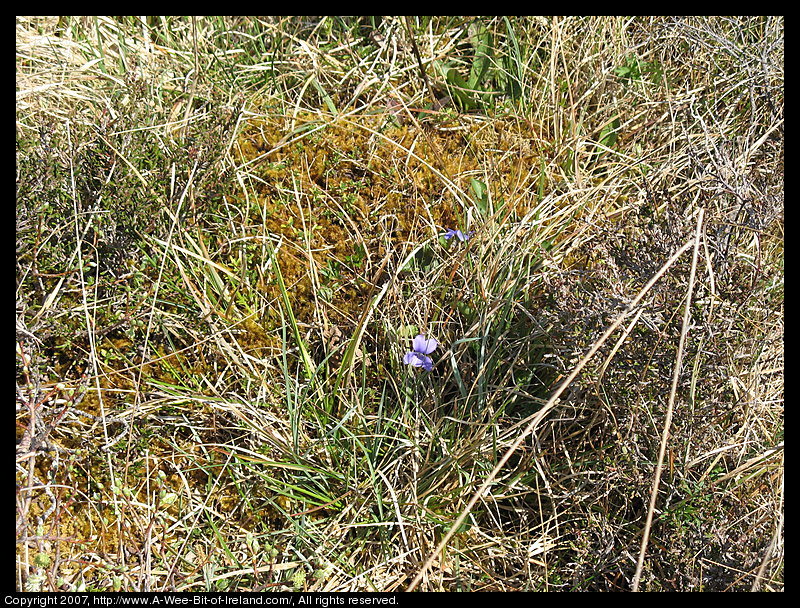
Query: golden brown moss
351, 189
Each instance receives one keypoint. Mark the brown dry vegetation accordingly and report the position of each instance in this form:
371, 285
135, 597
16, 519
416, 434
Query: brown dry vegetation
229, 229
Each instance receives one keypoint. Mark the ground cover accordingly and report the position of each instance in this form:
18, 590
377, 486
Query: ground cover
230, 231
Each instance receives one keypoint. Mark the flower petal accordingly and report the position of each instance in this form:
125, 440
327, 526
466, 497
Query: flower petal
418, 360
450, 233
423, 345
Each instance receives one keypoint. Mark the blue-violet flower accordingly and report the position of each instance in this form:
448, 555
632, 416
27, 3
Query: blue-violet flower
422, 348
458, 234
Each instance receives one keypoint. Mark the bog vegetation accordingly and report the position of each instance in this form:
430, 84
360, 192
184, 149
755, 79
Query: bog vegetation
230, 232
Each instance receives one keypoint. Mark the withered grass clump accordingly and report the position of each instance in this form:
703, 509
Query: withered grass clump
230, 229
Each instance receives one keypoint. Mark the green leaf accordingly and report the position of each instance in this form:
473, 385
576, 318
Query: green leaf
608, 136
459, 88
623, 72
481, 192
607, 140
483, 52
512, 64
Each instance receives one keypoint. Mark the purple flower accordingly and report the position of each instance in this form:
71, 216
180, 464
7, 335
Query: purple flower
422, 348
458, 234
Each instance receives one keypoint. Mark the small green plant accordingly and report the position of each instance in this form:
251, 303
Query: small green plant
489, 74
634, 69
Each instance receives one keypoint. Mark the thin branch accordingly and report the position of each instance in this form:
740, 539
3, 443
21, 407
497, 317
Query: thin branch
670, 407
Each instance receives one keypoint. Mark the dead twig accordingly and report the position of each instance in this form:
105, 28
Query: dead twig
670, 407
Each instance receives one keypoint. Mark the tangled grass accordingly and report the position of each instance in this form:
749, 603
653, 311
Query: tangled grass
229, 230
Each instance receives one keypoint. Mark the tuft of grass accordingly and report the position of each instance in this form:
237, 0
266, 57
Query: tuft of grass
229, 230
